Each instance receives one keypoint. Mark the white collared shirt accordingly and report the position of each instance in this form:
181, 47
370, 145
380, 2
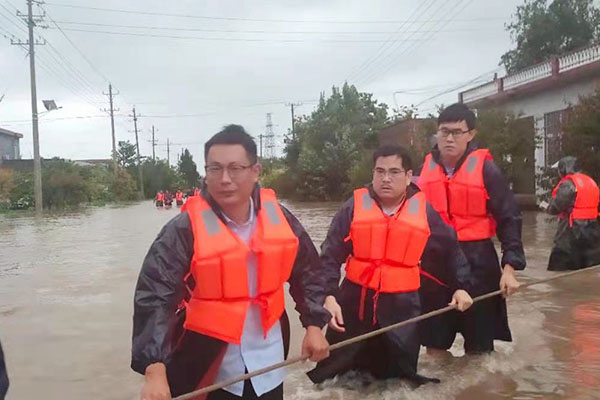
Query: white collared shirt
255, 351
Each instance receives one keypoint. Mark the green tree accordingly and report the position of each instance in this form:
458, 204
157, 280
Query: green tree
541, 30
512, 142
188, 170
123, 186
127, 154
582, 135
63, 185
330, 142
158, 175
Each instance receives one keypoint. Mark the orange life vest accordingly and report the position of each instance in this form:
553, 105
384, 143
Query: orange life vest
160, 197
462, 199
179, 196
220, 299
587, 199
387, 250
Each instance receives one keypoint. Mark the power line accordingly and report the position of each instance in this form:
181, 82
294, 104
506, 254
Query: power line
474, 80
389, 43
20, 27
396, 46
106, 80
260, 31
51, 70
62, 118
139, 12
60, 80
79, 80
75, 70
409, 48
221, 39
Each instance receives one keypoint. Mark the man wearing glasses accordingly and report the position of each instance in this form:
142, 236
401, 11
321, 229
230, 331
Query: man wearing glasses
209, 302
385, 233
469, 191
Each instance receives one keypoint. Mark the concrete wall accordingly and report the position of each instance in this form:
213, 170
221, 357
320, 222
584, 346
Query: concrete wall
9, 147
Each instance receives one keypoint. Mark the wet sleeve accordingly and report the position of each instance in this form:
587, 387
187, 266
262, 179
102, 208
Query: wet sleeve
159, 290
504, 209
3, 375
443, 257
335, 249
564, 200
305, 281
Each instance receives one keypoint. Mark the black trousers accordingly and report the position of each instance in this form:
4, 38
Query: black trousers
249, 394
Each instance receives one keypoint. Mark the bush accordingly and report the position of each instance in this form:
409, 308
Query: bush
7, 183
21, 197
122, 186
63, 185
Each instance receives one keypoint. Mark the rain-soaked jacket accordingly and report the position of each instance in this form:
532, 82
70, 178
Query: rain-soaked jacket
192, 359
3, 376
395, 353
576, 246
486, 270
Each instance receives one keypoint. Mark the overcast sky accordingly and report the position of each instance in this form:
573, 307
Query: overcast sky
191, 67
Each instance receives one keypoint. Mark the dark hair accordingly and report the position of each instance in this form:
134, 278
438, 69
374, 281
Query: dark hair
233, 134
457, 112
393, 150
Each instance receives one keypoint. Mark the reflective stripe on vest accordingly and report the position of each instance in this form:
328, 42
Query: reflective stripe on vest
587, 198
462, 199
220, 298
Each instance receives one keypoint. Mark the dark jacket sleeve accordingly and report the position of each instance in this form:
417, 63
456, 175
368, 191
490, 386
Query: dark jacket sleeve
505, 211
304, 280
443, 257
564, 200
3, 376
335, 250
159, 291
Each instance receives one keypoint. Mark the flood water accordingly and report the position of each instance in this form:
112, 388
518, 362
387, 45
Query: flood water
66, 300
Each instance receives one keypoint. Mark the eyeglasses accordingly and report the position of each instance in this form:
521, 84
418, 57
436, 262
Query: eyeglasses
234, 171
443, 132
393, 173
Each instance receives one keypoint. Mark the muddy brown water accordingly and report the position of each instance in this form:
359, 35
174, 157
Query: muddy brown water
66, 290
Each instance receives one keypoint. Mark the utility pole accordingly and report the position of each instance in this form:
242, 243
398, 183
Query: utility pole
292, 105
31, 21
137, 145
260, 138
168, 154
153, 142
111, 95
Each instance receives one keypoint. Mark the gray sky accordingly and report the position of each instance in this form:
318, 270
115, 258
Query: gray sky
233, 62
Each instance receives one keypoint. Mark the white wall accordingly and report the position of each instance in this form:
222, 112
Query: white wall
537, 104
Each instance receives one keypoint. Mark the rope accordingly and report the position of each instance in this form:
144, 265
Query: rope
356, 339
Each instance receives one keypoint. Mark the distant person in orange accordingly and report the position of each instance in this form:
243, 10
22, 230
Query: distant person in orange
179, 198
159, 199
575, 200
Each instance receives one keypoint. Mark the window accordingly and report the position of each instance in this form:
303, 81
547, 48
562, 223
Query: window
553, 134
